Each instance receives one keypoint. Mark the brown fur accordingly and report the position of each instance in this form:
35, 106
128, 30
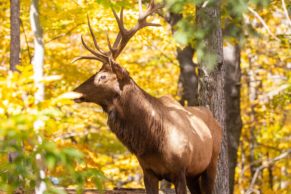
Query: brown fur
180, 144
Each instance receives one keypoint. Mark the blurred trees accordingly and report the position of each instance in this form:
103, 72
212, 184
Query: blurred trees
232, 86
76, 142
233, 36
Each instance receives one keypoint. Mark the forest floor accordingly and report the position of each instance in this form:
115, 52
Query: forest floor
95, 191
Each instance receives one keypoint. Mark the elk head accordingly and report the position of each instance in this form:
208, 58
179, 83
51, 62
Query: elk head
108, 82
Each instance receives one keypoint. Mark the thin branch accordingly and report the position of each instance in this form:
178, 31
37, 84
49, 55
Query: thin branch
140, 8
269, 96
26, 41
263, 23
286, 12
65, 34
269, 147
265, 165
161, 51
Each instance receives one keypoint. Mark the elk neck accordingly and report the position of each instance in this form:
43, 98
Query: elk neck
136, 119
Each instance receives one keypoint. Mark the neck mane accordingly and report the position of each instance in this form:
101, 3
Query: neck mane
135, 117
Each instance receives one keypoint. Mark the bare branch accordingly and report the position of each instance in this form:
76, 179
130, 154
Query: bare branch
263, 23
265, 165
286, 12
64, 34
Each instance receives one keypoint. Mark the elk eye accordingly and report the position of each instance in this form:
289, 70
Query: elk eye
103, 77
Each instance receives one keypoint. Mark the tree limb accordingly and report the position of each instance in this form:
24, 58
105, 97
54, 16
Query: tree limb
263, 23
64, 34
265, 165
286, 12
26, 41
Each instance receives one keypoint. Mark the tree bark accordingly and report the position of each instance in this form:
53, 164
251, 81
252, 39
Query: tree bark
38, 57
212, 92
14, 34
37, 63
14, 49
233, 120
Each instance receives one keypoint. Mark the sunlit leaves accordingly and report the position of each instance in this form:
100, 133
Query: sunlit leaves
76, 135
27, 129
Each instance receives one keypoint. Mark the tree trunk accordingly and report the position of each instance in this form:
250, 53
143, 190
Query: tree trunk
212, 92
188, 79
37, 63
38, 57
14, 49
15, 34
232, 97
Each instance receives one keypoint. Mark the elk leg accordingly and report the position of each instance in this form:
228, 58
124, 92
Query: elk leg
193, 185
151, 182
208, 178
180, 184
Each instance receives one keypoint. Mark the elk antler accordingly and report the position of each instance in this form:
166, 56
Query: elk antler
123, 36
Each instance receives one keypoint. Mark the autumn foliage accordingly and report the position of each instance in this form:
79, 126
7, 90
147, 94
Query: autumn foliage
79, 151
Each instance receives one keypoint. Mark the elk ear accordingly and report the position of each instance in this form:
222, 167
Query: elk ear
120, 72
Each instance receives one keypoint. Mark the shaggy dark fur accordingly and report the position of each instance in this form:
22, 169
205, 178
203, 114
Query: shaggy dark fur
171, 142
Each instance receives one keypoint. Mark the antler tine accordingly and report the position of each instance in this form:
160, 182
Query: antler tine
87, 57
119, 20
94, 38
122, 31
124, 35
98, 56
112, 49
88, 48
117, 40
140, 8
152, 7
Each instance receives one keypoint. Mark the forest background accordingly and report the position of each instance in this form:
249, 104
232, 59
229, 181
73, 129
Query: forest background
76, 146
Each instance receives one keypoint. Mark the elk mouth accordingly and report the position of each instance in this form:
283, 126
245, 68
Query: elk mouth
79, 97
79, 100
76, 96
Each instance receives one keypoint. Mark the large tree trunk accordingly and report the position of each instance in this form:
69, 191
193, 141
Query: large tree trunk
233, 120
212, 92
14, 34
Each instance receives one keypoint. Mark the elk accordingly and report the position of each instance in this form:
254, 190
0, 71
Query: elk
172, 142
